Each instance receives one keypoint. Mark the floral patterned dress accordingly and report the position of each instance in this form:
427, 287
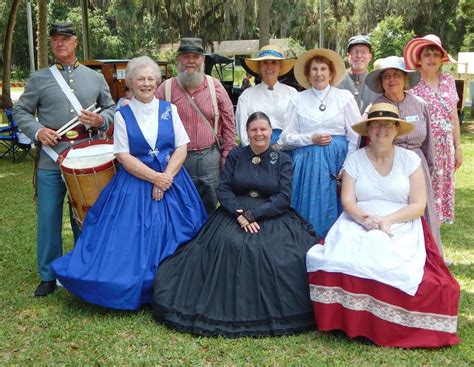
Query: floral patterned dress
441, 105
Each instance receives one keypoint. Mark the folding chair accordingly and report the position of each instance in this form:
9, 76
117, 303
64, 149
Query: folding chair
15, 142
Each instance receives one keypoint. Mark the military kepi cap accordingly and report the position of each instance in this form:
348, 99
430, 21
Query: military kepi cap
359, 40
64, 28
190, 44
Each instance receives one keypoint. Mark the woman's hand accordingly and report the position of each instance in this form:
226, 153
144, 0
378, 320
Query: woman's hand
457, 157
369, 223
321, 139
252, 227
163, 180
386, 226
382, 224
157, 193
247, 226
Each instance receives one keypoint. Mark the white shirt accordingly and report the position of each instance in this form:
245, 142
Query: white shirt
146, 115
305, 118
259, 98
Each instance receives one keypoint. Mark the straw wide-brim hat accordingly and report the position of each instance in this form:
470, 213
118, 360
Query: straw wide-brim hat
270, 52
304, 58
373, 79
413, 49
383, 111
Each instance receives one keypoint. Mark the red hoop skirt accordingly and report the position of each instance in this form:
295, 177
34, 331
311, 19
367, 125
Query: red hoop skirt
384, 314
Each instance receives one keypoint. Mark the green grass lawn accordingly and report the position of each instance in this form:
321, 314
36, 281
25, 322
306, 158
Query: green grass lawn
61, 329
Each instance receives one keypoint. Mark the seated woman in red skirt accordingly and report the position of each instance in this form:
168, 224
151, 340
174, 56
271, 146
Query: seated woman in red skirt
379, 273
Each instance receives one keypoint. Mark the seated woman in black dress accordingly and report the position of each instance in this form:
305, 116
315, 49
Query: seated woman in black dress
244, 273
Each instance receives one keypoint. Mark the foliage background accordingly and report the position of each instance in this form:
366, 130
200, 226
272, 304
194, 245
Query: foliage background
123, 29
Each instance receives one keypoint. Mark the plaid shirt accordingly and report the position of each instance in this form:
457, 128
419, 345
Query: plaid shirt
198, 131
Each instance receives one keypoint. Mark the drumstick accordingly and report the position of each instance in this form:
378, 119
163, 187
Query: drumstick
73, 120
98, 109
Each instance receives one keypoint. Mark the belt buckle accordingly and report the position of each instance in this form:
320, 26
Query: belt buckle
72, 134
254, 194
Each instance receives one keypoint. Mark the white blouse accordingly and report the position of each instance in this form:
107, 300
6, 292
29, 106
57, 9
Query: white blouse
305, 118
146, 115
274, 102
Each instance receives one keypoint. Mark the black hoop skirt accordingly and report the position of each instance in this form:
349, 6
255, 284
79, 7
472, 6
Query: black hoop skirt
232, 283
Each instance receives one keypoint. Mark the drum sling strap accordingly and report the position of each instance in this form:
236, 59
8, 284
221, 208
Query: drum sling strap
72, 99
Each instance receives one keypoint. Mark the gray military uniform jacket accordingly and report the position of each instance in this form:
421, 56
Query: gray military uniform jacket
44, 98
363, 95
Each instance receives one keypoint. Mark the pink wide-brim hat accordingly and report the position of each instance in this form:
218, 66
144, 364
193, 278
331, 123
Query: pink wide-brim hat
413, 49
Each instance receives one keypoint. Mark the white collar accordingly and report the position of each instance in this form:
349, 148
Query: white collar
268, 87
321, 93
146, 107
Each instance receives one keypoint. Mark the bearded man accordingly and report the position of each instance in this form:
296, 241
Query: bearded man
208, 117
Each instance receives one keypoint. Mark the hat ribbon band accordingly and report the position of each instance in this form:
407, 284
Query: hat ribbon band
270, 53
376, 114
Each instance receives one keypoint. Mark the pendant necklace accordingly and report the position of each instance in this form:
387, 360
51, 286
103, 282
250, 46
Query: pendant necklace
322, 106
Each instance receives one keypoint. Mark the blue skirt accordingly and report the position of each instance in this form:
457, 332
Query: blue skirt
275, 136
315, 196
126, 235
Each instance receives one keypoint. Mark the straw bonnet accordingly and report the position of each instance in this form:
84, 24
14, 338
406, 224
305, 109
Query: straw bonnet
270, 52
373, 79
304, 58
413, 49
384, 112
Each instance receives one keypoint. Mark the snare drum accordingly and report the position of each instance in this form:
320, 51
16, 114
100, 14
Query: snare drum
87, 168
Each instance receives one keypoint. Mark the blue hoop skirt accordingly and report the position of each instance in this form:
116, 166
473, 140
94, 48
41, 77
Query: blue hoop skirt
127, 234
315, 169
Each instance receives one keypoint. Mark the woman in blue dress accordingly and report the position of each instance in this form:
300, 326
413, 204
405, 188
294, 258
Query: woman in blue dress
244, 272
320, 120
148, 209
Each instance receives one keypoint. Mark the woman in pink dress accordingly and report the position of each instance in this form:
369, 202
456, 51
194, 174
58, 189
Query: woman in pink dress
438, 89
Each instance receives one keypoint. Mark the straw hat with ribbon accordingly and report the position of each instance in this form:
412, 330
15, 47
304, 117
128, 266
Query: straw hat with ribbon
270, 52
303, 59
373, 79
383, 112
413, 49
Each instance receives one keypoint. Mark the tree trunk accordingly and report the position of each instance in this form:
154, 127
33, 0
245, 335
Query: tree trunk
86, 47
7, 56
264, 20
42, 35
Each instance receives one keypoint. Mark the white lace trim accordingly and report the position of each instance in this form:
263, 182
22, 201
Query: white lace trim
382, 310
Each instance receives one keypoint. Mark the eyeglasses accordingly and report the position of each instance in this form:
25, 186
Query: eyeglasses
393, 76
385, 124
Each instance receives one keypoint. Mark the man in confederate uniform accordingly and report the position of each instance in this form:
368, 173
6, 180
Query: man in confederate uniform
207, 114
46, 104
359, 54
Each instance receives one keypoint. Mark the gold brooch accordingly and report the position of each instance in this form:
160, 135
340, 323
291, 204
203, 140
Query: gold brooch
256, 160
